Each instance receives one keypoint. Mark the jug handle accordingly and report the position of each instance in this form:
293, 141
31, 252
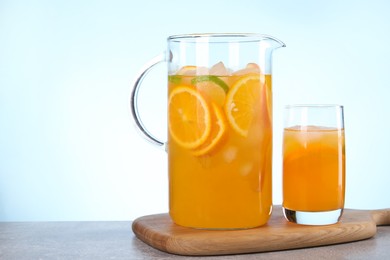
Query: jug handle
134, 100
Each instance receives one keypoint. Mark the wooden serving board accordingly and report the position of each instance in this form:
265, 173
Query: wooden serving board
160, 232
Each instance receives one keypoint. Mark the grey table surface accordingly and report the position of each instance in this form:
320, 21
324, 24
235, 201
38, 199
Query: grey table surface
115, 240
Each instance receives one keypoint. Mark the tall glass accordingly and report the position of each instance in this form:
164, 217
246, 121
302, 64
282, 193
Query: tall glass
219, 129
313, 164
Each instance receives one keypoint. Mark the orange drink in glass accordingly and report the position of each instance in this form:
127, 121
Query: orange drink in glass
313, 164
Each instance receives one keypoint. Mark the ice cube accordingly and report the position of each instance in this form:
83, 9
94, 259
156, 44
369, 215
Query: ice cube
219, 69
250, 68
202, 71
246, 168
230, 153
253, 66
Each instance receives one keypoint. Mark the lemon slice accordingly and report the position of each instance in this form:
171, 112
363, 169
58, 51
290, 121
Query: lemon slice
211, 78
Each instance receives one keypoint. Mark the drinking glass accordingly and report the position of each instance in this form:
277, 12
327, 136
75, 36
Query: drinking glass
313, 164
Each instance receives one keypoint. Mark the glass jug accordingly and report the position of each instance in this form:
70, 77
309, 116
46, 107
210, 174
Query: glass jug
219, 128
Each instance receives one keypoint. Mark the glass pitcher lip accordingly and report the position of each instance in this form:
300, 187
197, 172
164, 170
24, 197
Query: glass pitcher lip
313, 106
225, 37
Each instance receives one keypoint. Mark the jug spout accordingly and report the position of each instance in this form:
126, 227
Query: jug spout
268, 43
273, 42
266, 46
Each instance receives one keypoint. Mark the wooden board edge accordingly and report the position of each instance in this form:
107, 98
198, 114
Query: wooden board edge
248, 241
149, 237
191, 247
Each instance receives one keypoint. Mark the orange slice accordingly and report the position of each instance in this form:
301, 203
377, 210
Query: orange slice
189, 119
191, 70
243, 102
187, 70
217, 134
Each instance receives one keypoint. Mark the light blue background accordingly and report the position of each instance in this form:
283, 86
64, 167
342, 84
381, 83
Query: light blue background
68, 149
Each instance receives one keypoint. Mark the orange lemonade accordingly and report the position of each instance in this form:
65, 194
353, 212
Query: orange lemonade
313, 168
220, 147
